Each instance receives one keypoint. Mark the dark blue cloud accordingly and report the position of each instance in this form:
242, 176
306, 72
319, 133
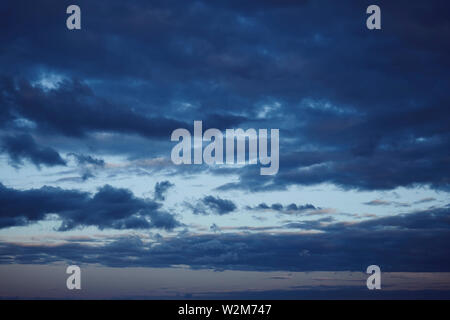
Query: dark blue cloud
357, 109
108, 208
83, 159
23, 147
278, 207
212, 205
73, 109
379, 202
161, 189
370, 106
410, 243
218, 205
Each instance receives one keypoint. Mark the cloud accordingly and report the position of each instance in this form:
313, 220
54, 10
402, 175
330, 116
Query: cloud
212, 205
288, 209
348, 115
161, 189
336, 129
215, 228
109, 208
414, 242
22, 147
74, 110
380, 170
425, 200
87, 160
379, 202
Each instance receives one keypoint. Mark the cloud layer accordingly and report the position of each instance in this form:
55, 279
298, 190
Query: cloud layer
399, 243
362, 110
357, 110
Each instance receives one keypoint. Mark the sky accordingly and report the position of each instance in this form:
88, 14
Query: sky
87, 179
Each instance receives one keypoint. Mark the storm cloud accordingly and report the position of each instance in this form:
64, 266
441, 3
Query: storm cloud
341, 247
114, 208
357, 110
212, 205
23, 147
177, 63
